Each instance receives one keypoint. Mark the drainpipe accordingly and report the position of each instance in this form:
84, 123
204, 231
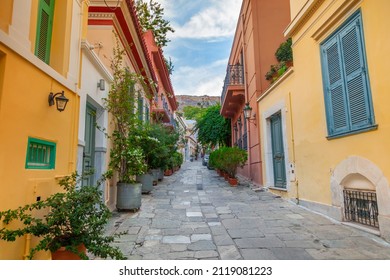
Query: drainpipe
293, 146
27, 246
246, 96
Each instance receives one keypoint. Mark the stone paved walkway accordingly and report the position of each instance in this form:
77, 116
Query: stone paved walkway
195, 214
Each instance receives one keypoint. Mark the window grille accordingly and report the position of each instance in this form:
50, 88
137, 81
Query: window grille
40, 154
361, 207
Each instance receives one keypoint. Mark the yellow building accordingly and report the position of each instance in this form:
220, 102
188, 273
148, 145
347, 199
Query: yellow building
39, 55
327, 116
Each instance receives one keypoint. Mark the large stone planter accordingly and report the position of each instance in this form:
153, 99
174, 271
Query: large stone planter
128, 196
155, 173
160, 174
147, 182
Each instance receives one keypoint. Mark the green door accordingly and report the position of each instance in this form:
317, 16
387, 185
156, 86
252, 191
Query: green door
89, 149
278, 151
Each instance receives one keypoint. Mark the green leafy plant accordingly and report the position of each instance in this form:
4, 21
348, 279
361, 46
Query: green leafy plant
126, 155
228, 159
284, 52
213, 128
284, 56
65, 219
151, 17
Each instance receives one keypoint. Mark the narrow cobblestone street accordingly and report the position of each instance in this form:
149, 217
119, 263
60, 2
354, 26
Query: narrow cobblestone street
195, 214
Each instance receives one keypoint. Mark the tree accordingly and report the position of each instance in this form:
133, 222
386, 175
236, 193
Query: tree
213, 128
193, 112
151, 18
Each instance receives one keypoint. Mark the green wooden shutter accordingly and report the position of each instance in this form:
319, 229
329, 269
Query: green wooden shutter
140, 107
44, 29
334, 88
355, 75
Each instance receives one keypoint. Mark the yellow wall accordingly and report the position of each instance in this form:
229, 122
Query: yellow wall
6, 14
24, 113
313, 168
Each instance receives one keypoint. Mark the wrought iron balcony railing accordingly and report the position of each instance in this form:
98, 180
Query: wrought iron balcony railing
234, 76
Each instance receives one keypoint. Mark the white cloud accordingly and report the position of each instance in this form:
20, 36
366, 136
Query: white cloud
213, 19
216, 21
203, 80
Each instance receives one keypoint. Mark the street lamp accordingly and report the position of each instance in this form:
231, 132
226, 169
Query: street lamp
59, 99
248, 113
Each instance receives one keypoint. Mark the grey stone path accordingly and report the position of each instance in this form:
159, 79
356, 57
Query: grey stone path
195, 214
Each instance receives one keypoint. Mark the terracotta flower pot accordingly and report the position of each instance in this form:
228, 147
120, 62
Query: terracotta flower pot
63, 254
233, 182
226, 176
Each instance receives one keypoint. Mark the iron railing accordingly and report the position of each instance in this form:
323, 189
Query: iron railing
361, 207
234, 76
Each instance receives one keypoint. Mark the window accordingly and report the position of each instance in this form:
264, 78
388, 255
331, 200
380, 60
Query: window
44, 29
346, 85
40, 154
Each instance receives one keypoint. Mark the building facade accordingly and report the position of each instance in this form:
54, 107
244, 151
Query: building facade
259, 32
329, 113
39, 60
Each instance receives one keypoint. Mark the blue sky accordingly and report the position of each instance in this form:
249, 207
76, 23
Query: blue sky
200, 46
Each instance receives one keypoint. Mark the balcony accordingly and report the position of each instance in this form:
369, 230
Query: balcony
233, 92
161, 112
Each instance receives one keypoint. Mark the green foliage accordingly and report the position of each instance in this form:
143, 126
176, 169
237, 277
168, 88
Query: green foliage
126, 157
169, 65
283, 55
228, 159
160, 156
284, 52
151, 17
65, 219
193, 112
213, 128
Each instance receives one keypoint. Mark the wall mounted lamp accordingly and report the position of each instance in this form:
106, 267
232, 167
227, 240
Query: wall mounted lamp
101, 84
235, 127
59, 99
239, 121
248, 114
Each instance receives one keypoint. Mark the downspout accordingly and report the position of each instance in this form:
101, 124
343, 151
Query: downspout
293, 146
246, 96
27, 246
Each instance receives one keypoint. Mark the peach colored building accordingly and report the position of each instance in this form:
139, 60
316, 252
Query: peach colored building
258, 34
164, 102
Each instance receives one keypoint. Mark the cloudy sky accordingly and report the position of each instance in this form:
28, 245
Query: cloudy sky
200, 46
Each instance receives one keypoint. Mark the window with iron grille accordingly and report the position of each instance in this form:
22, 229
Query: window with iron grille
44, 29
361, 207
40, 154
345, 77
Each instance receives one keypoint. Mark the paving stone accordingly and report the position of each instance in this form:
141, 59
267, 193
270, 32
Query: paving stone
163, 223
243, 233
194, 214
265, 242
198, 237
223, 240
180, 255
229, 253
257, 254
291, 254
206, 254
202, 245
178, 247
178, 239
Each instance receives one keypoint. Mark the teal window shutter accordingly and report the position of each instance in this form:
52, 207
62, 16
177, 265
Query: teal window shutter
44, 29
346, 85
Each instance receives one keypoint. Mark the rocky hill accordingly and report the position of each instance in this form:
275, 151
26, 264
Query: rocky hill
191, 100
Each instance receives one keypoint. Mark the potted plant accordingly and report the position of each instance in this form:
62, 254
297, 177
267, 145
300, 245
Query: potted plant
126, 156
233, 157
65, 222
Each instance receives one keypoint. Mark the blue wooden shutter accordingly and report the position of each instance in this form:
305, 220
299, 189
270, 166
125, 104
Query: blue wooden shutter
44, 29
334, 88
355, 75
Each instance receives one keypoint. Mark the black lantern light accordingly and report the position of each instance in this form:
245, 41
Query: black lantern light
248, 113
60, 100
